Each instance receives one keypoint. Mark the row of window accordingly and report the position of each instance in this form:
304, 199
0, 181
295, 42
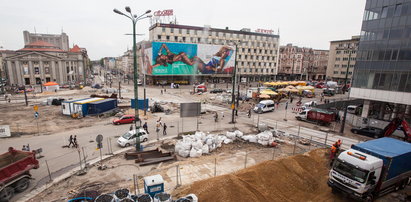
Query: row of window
402, 54
337, 66
36, 70
341, 72
345, 59
27, 81
388, 12
250, 70
393, 81
345, 52
395, 33
255, 50
221, 34
213, 41
255, 57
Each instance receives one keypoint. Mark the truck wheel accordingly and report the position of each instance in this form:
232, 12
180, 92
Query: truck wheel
145, 140
369, 198
22, 185
6, 194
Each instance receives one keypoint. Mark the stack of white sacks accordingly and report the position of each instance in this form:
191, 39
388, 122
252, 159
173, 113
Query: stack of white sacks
201, 143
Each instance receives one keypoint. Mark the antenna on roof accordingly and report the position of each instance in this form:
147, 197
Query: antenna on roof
62, 30
35, 30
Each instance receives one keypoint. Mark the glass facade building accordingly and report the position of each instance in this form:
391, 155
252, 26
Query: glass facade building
384, 55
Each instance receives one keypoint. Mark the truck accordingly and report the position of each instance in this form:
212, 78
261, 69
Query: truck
371, 169
15, 174
315, 115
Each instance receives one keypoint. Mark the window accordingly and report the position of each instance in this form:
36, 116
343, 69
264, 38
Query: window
342, 72
398, 9
171, 30
27, 81
36, 70
175, 38
46, 70
338, 52
163, 29
168, 38
159, 37
180, 31
335, 72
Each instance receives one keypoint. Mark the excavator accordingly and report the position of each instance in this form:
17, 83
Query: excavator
394, 124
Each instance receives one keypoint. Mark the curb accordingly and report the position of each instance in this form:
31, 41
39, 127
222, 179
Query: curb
73, 171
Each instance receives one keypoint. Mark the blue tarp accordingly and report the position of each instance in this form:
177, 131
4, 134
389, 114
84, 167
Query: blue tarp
140, 104
396, 154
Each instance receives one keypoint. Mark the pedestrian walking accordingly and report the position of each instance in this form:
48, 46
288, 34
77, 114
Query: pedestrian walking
158, 125
164, 129
216, 116
75, 141
165, 90
131, 127
291, 99
161, 91
71, 141
145, 127
286, 105
249, 113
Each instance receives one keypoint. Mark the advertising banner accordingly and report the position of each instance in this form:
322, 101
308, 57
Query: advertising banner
190, 109
165, 58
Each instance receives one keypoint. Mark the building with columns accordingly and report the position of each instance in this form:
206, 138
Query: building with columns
40, 62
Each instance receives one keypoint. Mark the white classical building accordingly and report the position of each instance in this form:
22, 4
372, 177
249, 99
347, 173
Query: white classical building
40, 62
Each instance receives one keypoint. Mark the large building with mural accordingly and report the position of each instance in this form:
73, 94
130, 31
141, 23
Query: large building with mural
209, 54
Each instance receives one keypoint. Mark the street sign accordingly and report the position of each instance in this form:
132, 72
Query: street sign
36, 108
99, 138
36, 115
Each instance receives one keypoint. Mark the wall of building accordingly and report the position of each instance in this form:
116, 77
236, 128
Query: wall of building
257, 55
342, 54
59, 40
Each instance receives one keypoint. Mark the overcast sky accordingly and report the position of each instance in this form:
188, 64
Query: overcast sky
92, 24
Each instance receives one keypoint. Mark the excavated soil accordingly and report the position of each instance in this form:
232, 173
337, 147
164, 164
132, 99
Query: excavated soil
289, 179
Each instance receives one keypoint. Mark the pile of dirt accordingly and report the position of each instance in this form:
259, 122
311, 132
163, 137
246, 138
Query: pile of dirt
289, 179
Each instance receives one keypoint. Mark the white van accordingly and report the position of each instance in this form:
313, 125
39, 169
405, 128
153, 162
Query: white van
264, 106
129, 138
352, 109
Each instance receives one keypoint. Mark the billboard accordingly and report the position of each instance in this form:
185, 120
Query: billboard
165, 58
190, 109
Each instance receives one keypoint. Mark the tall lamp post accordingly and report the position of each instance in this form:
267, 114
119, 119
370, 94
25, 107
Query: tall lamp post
344, 89
234, 78
134, 19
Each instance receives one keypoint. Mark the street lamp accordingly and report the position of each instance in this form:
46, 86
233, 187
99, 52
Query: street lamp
134, 19
234, 78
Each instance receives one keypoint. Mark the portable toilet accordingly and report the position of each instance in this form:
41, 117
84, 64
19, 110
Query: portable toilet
153, 185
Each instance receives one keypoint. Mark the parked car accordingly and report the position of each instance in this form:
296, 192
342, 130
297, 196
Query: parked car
217, 90
229, 90
368, 131
320, 85
264, 106
129, 138
124, 119
329, 92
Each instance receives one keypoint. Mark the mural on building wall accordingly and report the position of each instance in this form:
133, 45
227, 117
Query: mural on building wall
188, 59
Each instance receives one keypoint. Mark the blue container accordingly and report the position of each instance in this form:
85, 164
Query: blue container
101, 106
140, 104
396, 154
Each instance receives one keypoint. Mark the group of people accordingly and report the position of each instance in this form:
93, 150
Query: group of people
335, 149
73, 141
26, 148
159, 125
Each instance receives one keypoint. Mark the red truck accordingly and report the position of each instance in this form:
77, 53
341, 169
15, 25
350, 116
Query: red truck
15, 169
319, 116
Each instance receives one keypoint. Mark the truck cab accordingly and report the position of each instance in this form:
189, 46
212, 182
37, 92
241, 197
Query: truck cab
302, 116
355, 172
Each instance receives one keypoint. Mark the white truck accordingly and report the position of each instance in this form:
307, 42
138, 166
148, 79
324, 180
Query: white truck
371, 169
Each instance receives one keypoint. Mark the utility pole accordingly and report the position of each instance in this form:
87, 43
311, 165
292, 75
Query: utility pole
119, 89
345, 86
233, 90
25, 96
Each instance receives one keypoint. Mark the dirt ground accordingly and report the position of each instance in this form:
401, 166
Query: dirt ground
22, 122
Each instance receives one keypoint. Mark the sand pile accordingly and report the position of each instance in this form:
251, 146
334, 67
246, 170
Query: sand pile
296, 178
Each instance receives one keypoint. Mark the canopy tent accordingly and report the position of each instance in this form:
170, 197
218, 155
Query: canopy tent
51, 86
268, 92
264, 96
309, 88
293, 90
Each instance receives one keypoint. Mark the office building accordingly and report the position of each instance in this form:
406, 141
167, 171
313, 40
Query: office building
382, 75
341, 59
58, 40
257, 52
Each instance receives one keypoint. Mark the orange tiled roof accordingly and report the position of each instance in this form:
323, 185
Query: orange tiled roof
75, 49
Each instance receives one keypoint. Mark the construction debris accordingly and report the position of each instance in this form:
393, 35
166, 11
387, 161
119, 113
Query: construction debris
149, 157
